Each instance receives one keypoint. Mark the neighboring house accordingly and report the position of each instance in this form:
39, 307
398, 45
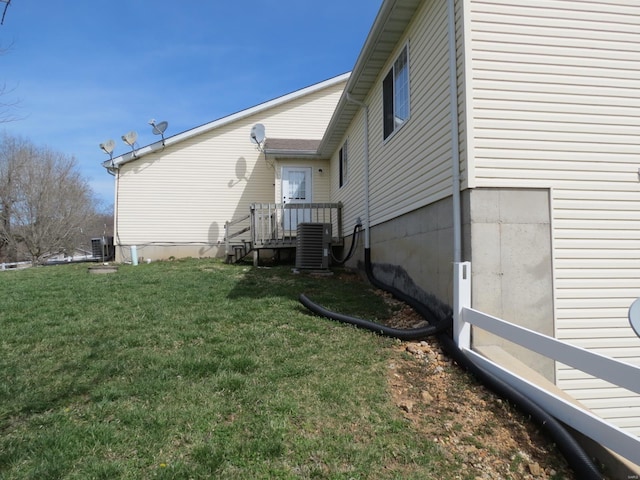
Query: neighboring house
173, 199
520, 156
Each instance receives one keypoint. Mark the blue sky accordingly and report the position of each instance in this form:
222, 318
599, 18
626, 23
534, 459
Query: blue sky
86, 71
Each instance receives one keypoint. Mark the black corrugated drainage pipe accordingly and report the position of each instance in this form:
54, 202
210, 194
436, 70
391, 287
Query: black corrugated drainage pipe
400, 333
354, 238
576, 457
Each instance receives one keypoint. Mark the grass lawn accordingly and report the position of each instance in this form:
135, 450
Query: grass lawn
196, 369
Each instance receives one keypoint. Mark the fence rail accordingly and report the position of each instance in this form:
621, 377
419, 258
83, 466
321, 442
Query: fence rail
14, 265
605, 368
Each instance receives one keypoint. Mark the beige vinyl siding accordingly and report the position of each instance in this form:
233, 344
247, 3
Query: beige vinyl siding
412, 168
306, 117
597, 260
554, 86
185, 193
352, 193
555, 104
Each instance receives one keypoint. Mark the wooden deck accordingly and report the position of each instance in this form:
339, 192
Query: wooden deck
274, 226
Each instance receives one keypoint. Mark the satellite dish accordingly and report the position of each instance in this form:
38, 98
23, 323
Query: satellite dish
130, 138
634, 316
108, 146
257, 133
159, 128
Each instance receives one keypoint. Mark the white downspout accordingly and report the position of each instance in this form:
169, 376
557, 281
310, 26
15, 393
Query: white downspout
366, 167
461, 270
455, 141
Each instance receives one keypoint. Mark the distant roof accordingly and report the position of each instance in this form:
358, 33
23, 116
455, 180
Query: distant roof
141, 152
284, 147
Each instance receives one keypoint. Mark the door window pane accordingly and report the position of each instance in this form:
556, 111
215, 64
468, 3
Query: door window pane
297, 186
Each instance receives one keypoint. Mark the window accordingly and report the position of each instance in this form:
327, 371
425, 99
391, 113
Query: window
342, 161
395, 94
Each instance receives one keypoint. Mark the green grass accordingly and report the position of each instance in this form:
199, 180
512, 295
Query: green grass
196, 369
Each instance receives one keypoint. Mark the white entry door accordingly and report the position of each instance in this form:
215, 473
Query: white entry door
296, 190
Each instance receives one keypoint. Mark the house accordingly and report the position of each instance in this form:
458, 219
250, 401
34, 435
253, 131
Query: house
496, 132
173, 197
542, 139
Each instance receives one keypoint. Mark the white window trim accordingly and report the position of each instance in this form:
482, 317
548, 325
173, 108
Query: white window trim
397, 128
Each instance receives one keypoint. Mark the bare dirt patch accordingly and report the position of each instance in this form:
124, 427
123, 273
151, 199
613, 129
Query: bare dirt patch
490, 438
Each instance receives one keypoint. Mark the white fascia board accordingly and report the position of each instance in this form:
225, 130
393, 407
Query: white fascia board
142, 151
313, 154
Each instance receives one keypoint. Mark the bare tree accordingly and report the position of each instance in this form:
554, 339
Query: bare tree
4, 9
14, 153
45, 201
6, 106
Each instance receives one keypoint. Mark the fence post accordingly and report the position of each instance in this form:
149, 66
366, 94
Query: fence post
461, 299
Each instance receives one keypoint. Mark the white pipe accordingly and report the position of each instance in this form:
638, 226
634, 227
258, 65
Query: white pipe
134, 255
366, 168
455, 145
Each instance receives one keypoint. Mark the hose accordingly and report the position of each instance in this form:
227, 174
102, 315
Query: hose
400, 333
575, 455
354, 236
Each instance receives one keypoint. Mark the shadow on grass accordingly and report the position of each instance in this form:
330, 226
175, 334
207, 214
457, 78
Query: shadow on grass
337, 289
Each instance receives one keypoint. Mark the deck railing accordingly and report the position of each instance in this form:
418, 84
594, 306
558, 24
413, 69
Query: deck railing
274, 224
236, 231
614, 371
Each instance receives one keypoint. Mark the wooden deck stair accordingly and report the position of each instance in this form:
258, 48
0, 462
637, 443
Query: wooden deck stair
240, 250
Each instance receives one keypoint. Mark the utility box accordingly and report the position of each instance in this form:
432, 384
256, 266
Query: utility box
102, 249
313, 242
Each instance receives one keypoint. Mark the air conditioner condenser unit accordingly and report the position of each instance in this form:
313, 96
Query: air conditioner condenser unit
313, 242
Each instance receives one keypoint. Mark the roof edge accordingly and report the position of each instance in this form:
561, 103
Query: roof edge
348, 95
309, 154
159, 145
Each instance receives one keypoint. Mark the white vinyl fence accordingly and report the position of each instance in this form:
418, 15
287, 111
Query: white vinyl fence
613, 371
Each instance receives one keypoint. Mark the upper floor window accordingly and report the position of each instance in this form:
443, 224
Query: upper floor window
395, 94
342, 165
